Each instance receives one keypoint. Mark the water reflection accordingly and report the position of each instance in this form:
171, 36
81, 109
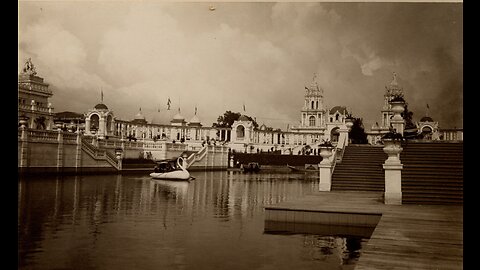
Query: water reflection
131, 222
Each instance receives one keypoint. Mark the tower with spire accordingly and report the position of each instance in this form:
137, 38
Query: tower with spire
313, 111
392, 90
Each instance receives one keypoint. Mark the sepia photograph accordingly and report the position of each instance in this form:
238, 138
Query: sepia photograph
240, 135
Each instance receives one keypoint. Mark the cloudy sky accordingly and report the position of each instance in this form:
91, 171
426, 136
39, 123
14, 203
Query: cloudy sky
259, 54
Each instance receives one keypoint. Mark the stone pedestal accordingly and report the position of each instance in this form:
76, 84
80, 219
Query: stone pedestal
325, 169
325, 177
393, 172
393, 183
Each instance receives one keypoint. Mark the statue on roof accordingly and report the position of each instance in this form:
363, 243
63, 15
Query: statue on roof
29, 68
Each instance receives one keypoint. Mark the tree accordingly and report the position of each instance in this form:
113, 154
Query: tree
227, 119
408, 117
410, 130
357, 132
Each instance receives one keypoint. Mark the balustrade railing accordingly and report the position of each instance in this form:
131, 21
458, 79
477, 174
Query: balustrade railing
42, 135
69, 137
29, 107
100, 153
338, 152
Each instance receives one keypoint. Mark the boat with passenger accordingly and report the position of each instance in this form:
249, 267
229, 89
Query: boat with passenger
250, 167
173, 169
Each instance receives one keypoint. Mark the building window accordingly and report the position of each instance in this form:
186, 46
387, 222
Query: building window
312, 104
311, 121
336, 117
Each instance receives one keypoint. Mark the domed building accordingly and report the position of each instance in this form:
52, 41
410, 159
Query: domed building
100, 121
428, 129
178, 119
195, 125
139, 118
242, 130
317, 122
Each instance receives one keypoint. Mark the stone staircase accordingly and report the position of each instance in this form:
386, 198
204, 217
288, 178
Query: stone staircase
432, 173
360, 169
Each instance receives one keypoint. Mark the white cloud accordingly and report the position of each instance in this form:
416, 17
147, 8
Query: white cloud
59, 56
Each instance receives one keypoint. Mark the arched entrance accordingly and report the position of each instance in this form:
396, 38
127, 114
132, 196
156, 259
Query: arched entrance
427, 133
240, 132
334, 134
109, 129
94, 122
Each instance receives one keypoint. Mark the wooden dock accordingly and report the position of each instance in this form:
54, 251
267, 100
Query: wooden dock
406, 236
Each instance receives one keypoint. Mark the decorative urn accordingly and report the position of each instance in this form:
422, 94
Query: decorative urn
398, 105
326, 152
392, 142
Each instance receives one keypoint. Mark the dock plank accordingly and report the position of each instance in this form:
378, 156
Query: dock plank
406, 237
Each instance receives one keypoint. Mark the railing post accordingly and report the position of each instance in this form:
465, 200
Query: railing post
78, 154
23, 145
60, 150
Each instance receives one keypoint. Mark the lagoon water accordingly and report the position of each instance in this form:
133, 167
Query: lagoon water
133, 222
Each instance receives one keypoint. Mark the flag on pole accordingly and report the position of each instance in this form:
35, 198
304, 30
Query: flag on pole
428, 107
101, 95
195, 110
168, 104
243, 107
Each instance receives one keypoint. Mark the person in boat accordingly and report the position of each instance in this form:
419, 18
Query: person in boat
163, 167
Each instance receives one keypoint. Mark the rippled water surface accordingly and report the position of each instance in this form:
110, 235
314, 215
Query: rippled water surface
132, 222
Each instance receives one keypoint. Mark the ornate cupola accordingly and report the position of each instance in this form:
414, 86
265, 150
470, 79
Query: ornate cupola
391, 90
139, 118
100, 121
178, 119
195, 121
313, 109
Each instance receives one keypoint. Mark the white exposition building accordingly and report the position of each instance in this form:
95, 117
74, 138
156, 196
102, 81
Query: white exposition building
317, 122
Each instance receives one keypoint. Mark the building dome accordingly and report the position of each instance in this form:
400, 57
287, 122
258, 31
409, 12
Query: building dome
426, 119
139, 115
178, 118
101, 106
243, 118
139, 118
340, 109
195, 120
394, 88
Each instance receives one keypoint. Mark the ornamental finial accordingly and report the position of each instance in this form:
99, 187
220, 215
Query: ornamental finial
29, 68
394, 81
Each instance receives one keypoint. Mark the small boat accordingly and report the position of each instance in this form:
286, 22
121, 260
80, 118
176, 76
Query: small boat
250, 167
294, 169
171, 170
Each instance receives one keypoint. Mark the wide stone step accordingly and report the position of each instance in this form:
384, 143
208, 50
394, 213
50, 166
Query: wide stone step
357, 188
432, 182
